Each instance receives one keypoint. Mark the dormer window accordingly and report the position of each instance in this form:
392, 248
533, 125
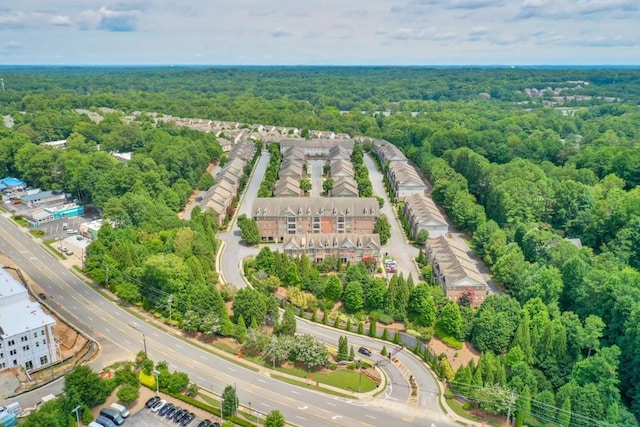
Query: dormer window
335, 211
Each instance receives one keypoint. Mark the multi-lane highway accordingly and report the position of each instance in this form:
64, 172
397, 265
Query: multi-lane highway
109, 325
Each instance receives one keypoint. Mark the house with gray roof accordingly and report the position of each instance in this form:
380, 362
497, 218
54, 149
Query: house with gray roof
344, 186
405, 180
291, 168
423, 214
340, 152
287, 187
387, 152
341, 168
454, 270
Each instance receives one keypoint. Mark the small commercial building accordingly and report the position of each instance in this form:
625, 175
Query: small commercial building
53, 213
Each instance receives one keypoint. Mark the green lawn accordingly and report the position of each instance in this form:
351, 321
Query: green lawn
346, 379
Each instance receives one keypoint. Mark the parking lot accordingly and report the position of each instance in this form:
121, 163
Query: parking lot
146, 418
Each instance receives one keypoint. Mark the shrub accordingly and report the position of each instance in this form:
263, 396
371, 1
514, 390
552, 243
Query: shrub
385, 319
452, 342
448, 394
351, 366
333, 366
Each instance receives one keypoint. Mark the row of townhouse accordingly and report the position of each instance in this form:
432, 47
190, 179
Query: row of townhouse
347, 247
403, 177
26, 331
220, 196
290, 173
423, 214
454, 270
342, 173
279, 217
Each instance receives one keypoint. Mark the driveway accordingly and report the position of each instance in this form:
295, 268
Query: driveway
397, 247
315, 166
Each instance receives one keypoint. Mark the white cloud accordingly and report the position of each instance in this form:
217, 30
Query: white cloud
61, 21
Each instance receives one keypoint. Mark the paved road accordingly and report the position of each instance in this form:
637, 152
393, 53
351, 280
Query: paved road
109, 324
396, 247
315, 166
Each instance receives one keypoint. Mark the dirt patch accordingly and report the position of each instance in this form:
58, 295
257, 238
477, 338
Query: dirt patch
456, 358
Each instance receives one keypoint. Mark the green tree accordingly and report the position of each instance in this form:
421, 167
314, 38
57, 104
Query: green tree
421, 307
422, 237
241, 329
249, 231
288, 324
305, 185
310, 351
250, 304
382, 228
83, 386
274, 419
353, 297
128, 393
327, 185
333, 288
564, 415
343, 349
450, 320
523, 407
280, 348
229, 401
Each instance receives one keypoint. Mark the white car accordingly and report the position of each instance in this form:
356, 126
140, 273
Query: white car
158, 405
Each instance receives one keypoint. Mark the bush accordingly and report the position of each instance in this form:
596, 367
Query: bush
333, 366
351, 366
452, 342
385, 319
128, 393
448, 394
87, 416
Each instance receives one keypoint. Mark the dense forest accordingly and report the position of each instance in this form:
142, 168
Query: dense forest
519, 177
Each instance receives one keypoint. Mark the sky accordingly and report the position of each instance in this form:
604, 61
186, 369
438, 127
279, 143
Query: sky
320, 32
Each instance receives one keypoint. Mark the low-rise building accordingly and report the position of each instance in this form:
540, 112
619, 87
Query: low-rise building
405, 180
344, 186
48, 214
26, 334
455, 271
287, 187
279, 217
346, 247
423, 214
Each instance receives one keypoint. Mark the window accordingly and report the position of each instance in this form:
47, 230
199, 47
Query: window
29, 365
35, 335
11, 342
44, 360
37, 343
3, 365
44, 342
13, 352
42, 332
25, 348
23, 339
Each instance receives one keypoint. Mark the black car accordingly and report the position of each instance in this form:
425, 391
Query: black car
179, 415
204, 423
187, 419
166, 408
171, 412
364, 351
152, 401
215, 424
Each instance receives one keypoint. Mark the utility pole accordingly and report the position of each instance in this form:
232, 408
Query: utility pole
77, 415
107, 274
170, 300
155, 371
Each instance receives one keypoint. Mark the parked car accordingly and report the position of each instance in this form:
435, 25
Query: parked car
204, 423
113, 415
179, 415
158, 405
68, 252
72, 231
171, 412
151, 401
166, 408
118, 407
42, 295
364, 351
187, 419
105, 422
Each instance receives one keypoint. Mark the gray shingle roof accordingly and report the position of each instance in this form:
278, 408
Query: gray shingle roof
315, 206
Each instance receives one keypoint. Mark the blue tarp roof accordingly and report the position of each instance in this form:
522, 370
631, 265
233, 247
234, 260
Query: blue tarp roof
12, 182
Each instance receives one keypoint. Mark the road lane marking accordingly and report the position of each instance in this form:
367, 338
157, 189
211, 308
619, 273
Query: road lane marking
230, 369
331, 404
294, 392
266, 405
262, 381
370, 416
302, 418
203, 357
179, 346
90, 318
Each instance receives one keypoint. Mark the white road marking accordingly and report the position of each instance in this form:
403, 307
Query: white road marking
179, 346
90, 318
266, 405
370, 416
262, 381
203, 357
294, 392
331, 404
231, 369
107, 330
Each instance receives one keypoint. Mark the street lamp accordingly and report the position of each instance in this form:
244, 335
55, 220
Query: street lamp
135, 326
221, 413
155, 371
359, 374
77, 415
